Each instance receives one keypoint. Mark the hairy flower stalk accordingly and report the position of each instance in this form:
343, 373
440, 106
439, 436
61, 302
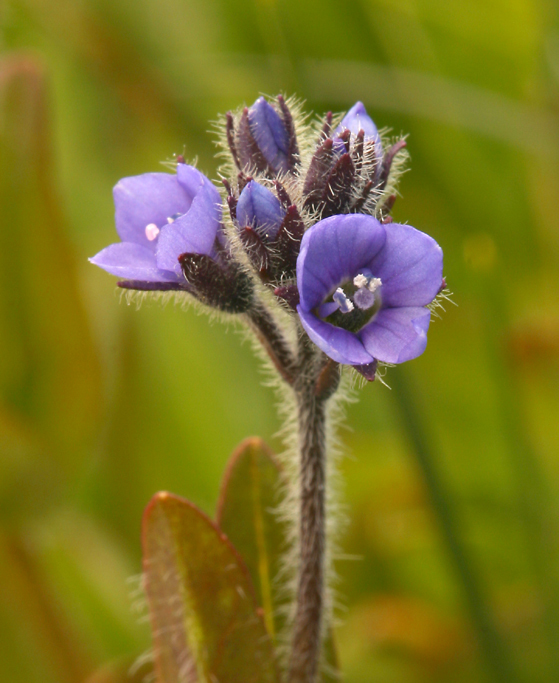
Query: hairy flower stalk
317, 380
300, 245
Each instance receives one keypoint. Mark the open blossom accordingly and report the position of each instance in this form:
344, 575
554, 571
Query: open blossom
364, 288
159, 217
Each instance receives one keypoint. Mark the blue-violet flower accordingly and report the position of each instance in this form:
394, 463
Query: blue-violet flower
364, 288
159, 217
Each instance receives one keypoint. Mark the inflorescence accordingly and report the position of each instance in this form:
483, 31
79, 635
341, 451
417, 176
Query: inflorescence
303, 211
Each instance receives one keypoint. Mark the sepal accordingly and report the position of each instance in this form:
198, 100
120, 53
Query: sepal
220, 285
368, 371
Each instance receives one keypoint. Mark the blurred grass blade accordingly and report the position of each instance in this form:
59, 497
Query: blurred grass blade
206, 624
247, 512
494, 647
32, 622
49, 373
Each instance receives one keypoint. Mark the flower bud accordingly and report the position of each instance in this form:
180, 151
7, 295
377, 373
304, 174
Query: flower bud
260, 209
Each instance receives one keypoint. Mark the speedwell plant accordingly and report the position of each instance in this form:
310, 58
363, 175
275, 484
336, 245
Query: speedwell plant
297, 242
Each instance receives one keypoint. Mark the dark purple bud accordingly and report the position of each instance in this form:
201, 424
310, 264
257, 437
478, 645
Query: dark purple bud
242, 180
326, 127
317, 175
220, 285
231, 199
230, 131
339, 186
248, 150
345, 138
360, 202
443, 285
232, 204
271, 134
293, 149
260, 209
284, 198
257, 251
387, 219
289, 294
357, 153
387, 162
388, 204
368, 371
288, 242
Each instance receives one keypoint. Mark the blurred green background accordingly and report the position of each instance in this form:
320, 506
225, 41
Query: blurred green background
451, 566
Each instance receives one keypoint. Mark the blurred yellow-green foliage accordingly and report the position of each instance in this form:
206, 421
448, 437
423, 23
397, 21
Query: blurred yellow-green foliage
451, 565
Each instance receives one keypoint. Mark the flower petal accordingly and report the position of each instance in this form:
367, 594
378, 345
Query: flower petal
132, 262
259, 208
334, 250
337, 343
193, 233
190, 178
357, 119
396, 335
144, 199
410, 267
269, 131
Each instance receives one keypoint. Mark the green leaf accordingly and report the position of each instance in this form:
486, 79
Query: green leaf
205, 619
247, 512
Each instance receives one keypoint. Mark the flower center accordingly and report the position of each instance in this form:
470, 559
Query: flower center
152, 231
354, 303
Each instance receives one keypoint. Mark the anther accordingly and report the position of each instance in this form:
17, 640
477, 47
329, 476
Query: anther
345, 304
152, 231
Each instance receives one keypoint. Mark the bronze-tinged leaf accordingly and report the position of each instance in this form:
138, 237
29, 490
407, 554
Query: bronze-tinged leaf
250, 494
246, 513
206, 623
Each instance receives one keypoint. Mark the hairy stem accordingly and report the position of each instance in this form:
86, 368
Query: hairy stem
311, 396
273, 341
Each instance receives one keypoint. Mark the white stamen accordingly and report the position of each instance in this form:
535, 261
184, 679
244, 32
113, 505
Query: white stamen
152, 231
345, 304
373, 284
360, 280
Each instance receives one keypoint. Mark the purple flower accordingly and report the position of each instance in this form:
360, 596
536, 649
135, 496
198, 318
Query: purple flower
364, 287
260, 209
357, 119
159, 217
